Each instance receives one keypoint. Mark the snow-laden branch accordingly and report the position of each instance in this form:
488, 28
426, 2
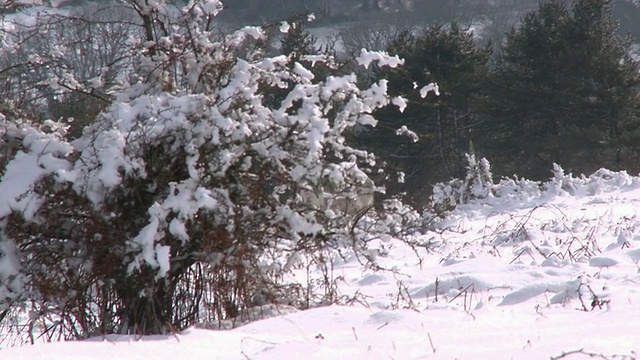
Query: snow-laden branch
382, 58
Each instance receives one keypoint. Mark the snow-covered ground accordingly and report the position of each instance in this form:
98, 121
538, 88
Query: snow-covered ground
527, 275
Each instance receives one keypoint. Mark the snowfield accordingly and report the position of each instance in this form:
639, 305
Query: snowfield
535, 273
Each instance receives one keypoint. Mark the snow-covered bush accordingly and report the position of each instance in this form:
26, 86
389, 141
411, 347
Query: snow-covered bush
601, 181
182, 202
478, 188
476, 185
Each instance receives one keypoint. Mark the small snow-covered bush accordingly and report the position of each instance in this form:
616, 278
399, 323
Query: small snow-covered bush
478, 188
602, 180
476, 185
183, 202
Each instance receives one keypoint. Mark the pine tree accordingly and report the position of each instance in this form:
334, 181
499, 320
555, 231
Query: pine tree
564, 92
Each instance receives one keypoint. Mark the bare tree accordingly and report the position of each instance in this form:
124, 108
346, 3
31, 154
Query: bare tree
373, 35
499, 18
86, 52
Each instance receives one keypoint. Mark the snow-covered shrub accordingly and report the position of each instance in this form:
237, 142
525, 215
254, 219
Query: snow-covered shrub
184, 199
477, 188
600, 181
476, 185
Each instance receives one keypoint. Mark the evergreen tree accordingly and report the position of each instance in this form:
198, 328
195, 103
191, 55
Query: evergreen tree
297, 41
445, 123
565, 91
